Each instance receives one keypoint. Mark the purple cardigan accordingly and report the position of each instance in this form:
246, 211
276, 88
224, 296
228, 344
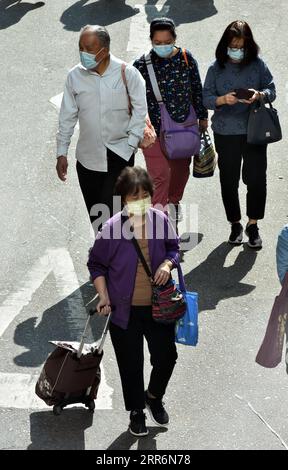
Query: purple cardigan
115, 258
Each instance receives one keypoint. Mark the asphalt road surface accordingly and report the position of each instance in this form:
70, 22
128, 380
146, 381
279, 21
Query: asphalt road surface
45, 236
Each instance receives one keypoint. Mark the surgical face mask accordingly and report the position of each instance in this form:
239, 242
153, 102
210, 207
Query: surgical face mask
139, 207
88, 60
163, 51
235, 54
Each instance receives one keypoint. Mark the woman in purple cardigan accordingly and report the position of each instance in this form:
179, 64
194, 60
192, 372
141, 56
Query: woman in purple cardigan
122, 282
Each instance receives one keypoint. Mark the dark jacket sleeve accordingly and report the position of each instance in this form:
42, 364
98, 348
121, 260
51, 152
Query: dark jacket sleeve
267, 82
171, 243
210, 94
99, 258
196, 87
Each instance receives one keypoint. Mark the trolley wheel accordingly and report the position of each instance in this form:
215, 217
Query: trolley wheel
91, 405
57, 410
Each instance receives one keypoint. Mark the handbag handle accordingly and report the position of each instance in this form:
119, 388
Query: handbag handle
205, 135
261, 102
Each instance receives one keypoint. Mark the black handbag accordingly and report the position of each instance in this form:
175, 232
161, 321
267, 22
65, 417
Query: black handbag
263, 124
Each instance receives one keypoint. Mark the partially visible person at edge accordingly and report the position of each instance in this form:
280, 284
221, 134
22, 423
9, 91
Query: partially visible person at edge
282, 253
180, 86
121, 281
238, 65
95, 94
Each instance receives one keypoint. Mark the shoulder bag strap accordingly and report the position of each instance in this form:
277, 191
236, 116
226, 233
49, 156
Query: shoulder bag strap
185, 56
123, 74
141, 257
153, 78
125, 218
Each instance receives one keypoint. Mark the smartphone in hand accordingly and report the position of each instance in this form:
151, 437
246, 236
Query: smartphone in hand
243, 94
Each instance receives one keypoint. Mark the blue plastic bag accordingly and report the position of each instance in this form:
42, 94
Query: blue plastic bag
187, 327
186, 330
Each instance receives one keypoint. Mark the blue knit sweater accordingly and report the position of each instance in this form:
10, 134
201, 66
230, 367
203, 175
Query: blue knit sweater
233, 120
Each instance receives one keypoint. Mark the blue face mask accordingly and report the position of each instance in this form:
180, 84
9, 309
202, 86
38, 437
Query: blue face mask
235, 54
163, 51
88, 60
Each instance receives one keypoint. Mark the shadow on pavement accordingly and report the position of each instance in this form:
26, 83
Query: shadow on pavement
12, 11
215, 282
102, 12
62, 321
182, 11
125, 441
65, 432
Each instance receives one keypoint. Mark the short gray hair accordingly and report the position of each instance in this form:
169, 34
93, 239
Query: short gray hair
101, 33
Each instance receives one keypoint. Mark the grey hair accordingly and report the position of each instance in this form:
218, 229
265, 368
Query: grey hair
99, 31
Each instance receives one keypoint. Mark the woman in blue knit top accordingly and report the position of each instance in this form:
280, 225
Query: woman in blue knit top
238, 65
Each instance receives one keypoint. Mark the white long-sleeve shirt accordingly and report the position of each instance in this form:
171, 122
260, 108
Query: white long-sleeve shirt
100, 103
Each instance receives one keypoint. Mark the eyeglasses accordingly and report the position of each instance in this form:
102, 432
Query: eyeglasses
236, 48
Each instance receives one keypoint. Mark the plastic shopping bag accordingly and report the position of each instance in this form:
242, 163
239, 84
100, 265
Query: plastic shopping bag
187, 327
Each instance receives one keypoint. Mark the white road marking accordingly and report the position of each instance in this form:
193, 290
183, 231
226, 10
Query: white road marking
67, 283
15, 302
139, 41
56, 102
16, 389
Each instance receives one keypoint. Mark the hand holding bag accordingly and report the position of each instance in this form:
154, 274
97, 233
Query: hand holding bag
263, 124
168, 302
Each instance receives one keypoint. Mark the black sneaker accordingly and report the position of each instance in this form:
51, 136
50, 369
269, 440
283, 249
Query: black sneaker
137, 425
236, 235
157, 411
252, 232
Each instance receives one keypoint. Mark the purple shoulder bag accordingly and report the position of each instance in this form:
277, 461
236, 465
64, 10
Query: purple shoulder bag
177, 140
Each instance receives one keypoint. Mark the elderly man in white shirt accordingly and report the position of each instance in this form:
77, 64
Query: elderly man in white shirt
109, 134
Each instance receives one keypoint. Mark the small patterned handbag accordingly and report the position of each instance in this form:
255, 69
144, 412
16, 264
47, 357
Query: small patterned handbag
168, 302
205, 163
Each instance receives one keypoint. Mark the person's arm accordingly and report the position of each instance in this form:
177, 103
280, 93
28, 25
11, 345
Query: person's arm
98, 264
137, 93
267, 86
171, 242
211, 98
282, 253
197, 91
172, 254
68, 117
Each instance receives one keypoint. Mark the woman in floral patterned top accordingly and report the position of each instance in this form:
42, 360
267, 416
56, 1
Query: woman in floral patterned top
180, 86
